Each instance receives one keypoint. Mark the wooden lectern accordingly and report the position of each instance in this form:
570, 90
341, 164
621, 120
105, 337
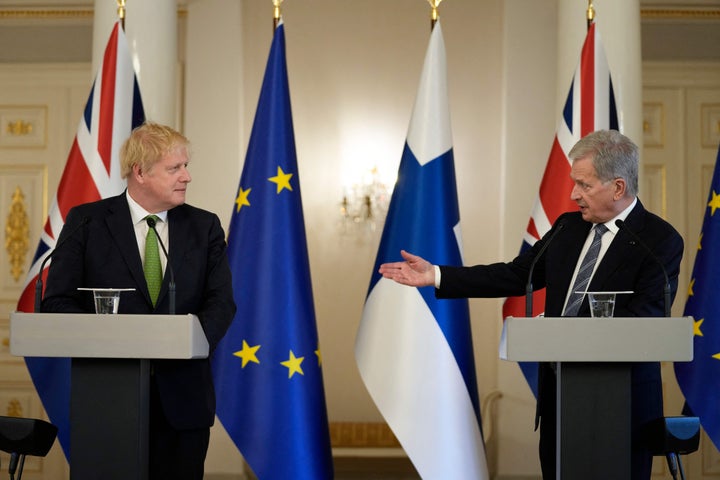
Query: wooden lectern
593, 380
110, 386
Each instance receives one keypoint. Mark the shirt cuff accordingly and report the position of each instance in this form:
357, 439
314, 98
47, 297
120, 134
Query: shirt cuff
437, 276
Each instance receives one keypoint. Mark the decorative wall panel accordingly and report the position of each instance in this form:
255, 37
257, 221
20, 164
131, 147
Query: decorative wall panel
710, 124
653, 124
23, 199
654, 188
23, 126
359, 434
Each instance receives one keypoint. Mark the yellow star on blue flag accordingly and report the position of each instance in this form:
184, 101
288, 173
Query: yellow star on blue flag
698, 379
272, 407
282, 180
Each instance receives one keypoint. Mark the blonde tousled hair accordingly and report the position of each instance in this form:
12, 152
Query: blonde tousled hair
147, 144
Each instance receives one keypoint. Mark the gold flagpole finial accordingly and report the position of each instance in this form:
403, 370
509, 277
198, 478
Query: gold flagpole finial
121, 12
276, 13
434, 4
590, 13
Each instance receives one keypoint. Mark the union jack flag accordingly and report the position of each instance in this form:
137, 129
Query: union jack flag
590, 106
92, 172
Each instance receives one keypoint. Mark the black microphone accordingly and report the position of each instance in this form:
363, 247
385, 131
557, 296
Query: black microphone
673, 461
12, 466
528, 286
171, 288
621, 225
39, 282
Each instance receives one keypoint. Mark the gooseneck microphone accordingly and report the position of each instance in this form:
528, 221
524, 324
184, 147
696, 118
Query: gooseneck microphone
666, 289
529, 286
39, 281
171, 287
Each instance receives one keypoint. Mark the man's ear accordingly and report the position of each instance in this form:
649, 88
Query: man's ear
620, 187
138, 173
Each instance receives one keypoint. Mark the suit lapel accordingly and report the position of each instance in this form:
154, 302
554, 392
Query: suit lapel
119, 223
618, 253
179, 233
572, 245
561, 259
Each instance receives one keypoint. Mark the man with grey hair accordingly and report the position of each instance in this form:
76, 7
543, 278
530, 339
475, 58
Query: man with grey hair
605, 177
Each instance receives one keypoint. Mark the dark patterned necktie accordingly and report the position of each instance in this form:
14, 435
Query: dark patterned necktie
583, 276
152, 266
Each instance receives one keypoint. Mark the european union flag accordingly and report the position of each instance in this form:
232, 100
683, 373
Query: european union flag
267, 369
699, 379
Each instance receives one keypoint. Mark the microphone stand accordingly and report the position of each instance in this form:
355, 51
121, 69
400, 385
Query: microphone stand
666, 288
39, 281
529, 286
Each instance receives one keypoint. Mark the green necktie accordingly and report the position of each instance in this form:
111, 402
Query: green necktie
152, 266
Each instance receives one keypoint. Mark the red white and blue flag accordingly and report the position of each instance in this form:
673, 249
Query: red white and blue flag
92, 172
590, 106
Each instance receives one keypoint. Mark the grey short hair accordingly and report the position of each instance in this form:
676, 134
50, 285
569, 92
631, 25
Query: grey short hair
613, 155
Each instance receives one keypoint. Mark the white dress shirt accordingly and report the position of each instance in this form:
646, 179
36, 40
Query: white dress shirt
604, 245
138, 214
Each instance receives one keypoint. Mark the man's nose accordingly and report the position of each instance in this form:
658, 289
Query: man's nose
186, 176
574, 193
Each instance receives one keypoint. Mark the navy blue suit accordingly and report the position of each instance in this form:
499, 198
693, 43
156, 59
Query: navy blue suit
104, 253
625, 266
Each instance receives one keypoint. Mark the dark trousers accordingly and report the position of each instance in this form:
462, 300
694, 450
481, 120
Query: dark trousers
175, 454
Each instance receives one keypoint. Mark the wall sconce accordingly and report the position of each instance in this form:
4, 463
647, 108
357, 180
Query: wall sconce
364, 205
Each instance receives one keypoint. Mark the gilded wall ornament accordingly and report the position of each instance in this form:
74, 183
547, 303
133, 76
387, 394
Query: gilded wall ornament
17, 234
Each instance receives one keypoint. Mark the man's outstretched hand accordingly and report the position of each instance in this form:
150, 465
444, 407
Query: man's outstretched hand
414, 271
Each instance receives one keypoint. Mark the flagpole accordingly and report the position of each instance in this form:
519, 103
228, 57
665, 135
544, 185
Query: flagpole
276, 13
590, 14
121, 12
434, 16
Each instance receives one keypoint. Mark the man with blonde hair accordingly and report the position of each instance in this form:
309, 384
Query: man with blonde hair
106, 247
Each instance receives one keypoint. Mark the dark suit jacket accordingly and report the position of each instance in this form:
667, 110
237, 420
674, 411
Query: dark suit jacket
104, 253
626, 265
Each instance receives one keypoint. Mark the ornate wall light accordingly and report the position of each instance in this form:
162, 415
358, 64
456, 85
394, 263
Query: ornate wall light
364, 205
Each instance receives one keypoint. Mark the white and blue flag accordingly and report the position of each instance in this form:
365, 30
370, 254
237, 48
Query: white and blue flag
415, 352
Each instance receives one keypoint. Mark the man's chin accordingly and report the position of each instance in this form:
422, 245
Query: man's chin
179, 199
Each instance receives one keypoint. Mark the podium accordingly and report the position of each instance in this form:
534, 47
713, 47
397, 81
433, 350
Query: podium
592, 358
110, 386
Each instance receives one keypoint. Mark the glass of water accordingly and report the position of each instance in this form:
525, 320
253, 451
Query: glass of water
107, 300
602, 304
